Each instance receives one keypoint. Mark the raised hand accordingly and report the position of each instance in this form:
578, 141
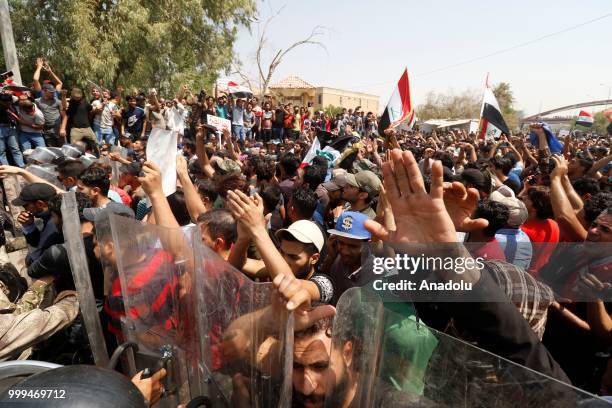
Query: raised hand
182, 169
420, 217
151, 179
247, 210
461, 204
560, 169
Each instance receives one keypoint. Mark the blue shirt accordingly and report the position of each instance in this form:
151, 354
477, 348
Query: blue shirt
516, 246
222, 111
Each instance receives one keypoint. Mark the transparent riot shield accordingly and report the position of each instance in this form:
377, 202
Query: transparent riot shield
355, 345
430, 368
154, 266
71, 151
218, 334
75, 248
47, 172
44, 155
246, 339
115, 165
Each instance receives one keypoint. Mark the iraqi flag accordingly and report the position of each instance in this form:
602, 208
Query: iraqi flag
584, 119
232, 88
399, 107
329, 152
492, 123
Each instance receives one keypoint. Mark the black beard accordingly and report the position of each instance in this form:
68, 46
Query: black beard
333, 399
303, 273
338, 394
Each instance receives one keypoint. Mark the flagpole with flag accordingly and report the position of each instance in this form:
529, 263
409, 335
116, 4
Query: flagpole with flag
585, 119
492, 123
399, 108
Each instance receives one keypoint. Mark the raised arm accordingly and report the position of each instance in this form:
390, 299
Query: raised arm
29, 177
58, 82
599, 164
36, 77
567, 147
201, 153
194, 203
249, 212
572, 195
562, 207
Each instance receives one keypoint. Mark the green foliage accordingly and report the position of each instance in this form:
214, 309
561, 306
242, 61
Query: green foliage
505, 99
600, 124
450, 106
133, 43
332, 110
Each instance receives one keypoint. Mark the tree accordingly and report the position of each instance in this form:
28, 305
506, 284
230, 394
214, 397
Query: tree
266, 69
332, 110
505, 99
134, 43
600, 124
450, 106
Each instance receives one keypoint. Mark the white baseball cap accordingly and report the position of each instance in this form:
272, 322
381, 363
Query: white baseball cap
307, 232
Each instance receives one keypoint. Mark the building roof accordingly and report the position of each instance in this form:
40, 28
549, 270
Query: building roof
292, 81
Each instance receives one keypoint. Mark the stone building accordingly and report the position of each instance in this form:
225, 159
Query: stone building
299, 92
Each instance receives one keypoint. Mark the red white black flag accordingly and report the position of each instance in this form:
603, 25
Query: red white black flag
492, 123
399, 107
585, 119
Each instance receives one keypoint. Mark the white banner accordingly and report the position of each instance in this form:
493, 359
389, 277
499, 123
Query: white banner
220, 124
161, 150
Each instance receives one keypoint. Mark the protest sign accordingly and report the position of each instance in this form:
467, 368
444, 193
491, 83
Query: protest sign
221, 124
161, 150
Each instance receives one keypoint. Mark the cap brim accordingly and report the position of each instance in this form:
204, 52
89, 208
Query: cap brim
18, 202
330, 186
346, 234
297, 235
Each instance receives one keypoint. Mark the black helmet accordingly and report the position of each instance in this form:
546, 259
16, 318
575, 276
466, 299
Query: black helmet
13, 284
75, 386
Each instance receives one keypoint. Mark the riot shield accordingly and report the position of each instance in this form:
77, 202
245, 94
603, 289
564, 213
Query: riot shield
75, 248
246, 339
116, 166
153, 269
44, 155
47, 172
213, 330
355, 345
431, 368
71, 151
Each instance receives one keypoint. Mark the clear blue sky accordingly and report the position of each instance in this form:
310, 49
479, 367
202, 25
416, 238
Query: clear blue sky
370, 42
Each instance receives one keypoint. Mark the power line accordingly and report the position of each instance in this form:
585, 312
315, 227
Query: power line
515, 46
502, 51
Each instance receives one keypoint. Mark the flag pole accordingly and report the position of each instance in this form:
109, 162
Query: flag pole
480, 131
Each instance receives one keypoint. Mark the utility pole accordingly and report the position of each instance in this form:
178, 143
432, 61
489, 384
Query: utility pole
8, 42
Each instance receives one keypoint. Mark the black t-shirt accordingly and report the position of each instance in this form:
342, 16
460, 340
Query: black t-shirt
54, 262
134, 120
78, 115
279, 119
207, 112
5, 118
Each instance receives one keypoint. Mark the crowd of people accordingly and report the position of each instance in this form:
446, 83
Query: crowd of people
310, 220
